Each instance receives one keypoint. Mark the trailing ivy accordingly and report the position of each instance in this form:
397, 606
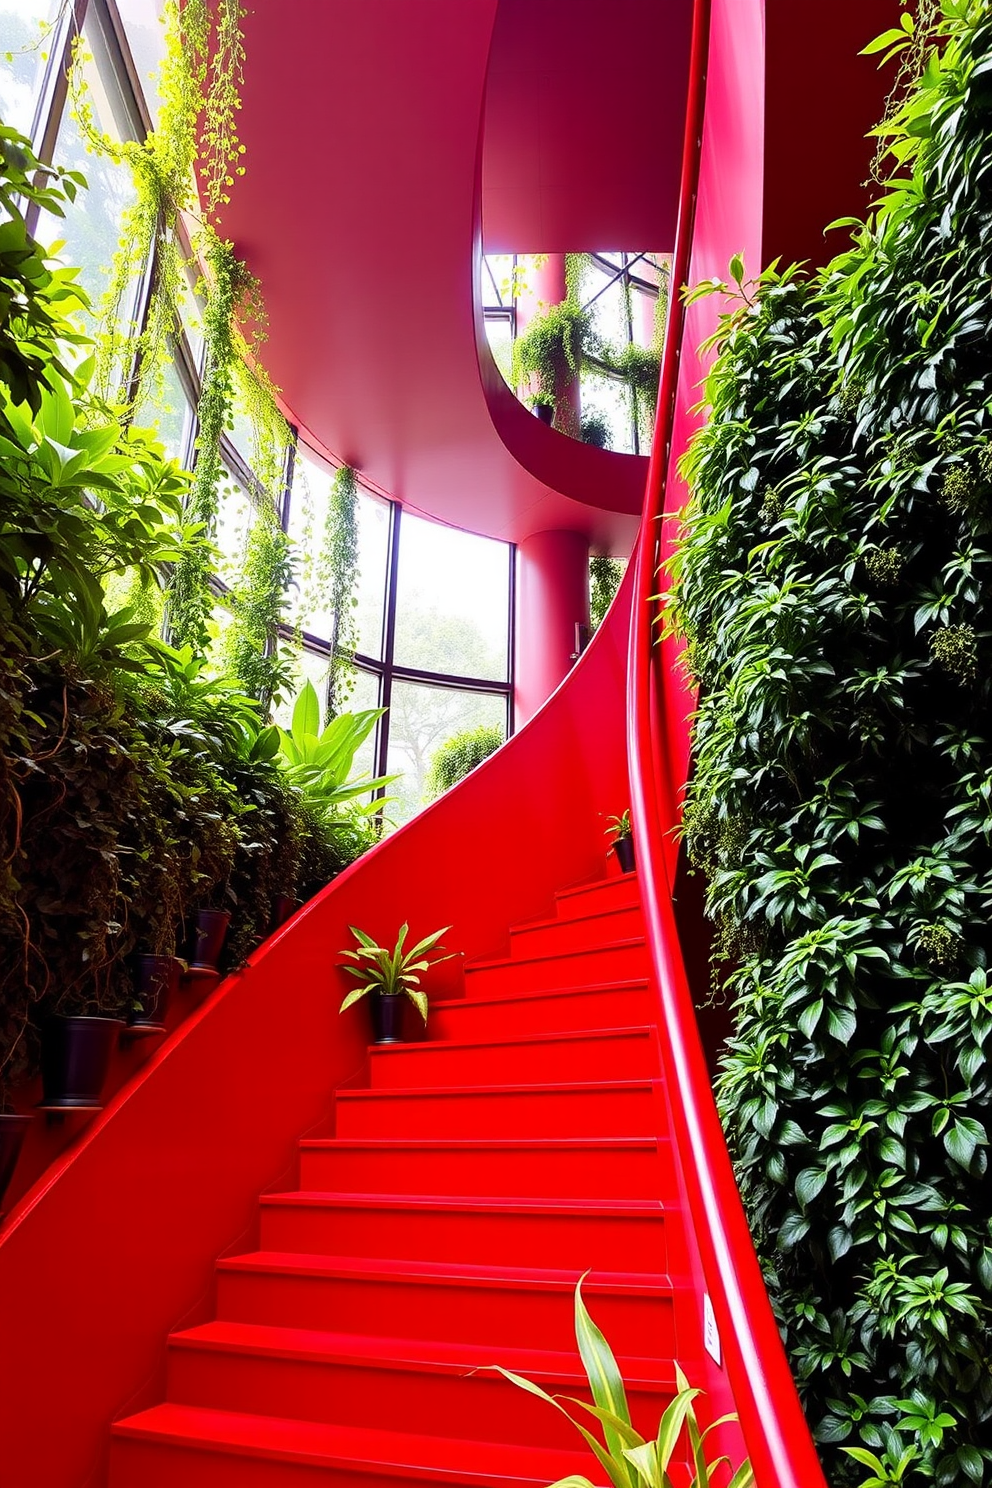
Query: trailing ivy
336, 573
835, 589
257, 602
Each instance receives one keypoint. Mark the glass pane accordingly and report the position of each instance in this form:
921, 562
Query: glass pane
167, 410
308, 507
308, 665
146, 38
373, 558
91, 227
364, 694
452, 601
609, 312
24, 45
608, 396
499, 334
234, 518
421, 719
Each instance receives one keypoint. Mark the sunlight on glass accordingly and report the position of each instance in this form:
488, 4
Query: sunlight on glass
25, 39
452, 612
91, 227
421, 720
166, 410
146, 38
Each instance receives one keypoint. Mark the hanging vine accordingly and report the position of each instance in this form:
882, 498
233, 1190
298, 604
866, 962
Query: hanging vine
337, 577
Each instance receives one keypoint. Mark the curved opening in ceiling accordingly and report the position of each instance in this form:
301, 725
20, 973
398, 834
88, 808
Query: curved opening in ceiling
581, 144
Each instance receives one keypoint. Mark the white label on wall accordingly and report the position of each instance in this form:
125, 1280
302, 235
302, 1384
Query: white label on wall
711, 1335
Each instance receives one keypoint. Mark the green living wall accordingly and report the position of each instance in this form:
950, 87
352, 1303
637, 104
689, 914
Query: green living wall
835, 590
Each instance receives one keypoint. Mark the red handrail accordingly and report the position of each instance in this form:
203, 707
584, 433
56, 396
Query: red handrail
774, 1428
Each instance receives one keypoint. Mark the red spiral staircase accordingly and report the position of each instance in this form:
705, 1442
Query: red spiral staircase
278, 1259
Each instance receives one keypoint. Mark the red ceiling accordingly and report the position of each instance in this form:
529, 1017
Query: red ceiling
369, 175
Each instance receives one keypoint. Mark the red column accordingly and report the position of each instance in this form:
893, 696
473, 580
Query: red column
546, 286
552, 598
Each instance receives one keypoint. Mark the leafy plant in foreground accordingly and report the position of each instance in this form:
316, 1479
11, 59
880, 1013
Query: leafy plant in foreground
627, 1459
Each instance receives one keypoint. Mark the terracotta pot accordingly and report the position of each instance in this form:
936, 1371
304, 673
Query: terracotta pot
207, 940
155, 980
624, 849
13, 1130
75, 1057
387, 1017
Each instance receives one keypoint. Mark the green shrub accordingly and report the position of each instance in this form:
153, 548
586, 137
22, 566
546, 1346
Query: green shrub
459, 755
835, 589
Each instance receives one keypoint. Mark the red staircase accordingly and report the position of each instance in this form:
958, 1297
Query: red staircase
442, 1229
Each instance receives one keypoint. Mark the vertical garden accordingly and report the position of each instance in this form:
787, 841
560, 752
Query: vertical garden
835, 590
140, 777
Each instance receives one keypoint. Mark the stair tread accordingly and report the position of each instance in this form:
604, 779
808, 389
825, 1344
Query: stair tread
472, 1203
515, 962
555, 922
641, 1082
363, 1449
563, 1036
619, 984
437, 1356
468, 1273
485, 1144
615, 882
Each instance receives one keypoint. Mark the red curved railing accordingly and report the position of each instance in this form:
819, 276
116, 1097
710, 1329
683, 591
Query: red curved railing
772, 1422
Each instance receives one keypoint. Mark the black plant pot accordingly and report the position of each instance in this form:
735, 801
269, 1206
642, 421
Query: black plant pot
155, 980
624, 849
387, 1018
544, 412
13, 1130
282, 907
208, 938
75, 1056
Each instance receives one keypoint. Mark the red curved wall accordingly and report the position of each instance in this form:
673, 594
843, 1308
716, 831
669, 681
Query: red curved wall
117, 1243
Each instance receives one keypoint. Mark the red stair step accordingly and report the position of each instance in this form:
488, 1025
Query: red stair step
619, 1108
459, 1301
172, 1445
599, 1054
611, 1004
619, 891
549, 1167
607, 1234
577, 932
620, 959
413, 1385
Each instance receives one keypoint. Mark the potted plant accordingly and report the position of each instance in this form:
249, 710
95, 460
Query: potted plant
388, 974
619, 831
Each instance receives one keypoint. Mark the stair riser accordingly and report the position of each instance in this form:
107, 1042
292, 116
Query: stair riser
478, 1406
539, 1318
629, 1057
619, 1007
619, 891
607, 1242
611, 1112
578, 1173
593, 966
137, 1464
579, 933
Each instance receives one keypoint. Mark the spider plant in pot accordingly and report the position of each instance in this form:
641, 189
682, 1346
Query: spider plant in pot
619, 831
389, 976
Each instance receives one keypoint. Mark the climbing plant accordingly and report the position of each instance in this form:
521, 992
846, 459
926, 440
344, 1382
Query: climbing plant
336, 578
605, 575
834, 586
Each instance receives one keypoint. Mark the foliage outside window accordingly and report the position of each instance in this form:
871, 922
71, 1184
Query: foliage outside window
835, 589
